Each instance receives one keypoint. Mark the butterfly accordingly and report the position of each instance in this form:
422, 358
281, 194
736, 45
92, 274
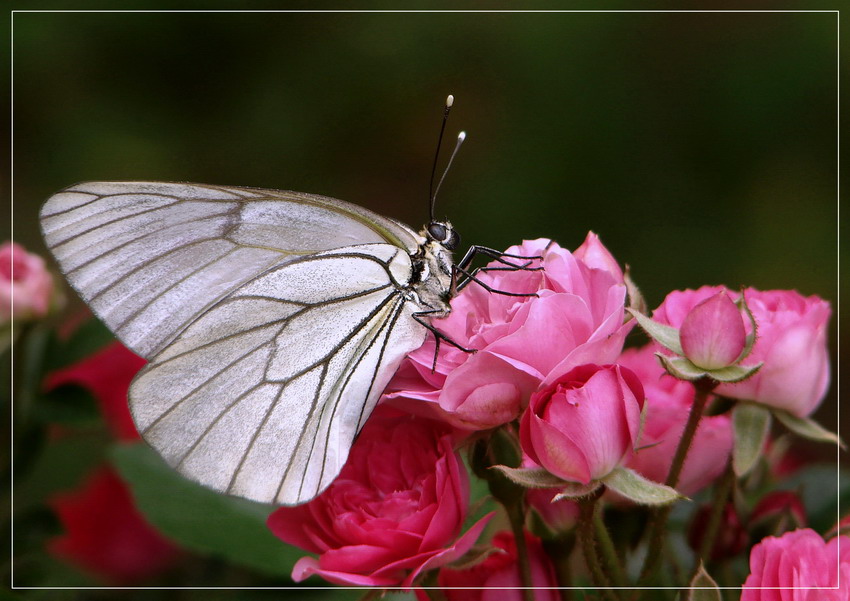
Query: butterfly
271, 320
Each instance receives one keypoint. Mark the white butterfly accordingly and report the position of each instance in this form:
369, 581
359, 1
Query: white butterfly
272, 321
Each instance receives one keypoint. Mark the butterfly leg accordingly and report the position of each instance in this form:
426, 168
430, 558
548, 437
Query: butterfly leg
470, 277
438, 336
497, 256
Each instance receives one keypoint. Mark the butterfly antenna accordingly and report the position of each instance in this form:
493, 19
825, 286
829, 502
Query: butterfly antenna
431, 194
460, 138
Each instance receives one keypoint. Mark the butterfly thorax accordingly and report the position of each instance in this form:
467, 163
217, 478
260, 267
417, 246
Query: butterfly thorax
432, 280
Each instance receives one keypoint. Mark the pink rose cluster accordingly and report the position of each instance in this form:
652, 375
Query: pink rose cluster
551, 358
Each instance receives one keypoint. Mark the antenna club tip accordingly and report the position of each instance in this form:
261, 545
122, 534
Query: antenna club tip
450, 101
461, 136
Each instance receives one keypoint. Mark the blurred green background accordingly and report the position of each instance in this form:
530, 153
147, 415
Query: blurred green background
701, 147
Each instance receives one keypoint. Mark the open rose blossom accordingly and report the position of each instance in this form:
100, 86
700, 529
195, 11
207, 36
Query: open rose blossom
499, 572
576, 318
395, 510
791, 343
585, 423
668, 405
799, 566
23, 276
106, 535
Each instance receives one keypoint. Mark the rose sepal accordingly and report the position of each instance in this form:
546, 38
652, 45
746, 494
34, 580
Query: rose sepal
638, 489
530, 477
573, 491
683, 369
807, 428
666, 336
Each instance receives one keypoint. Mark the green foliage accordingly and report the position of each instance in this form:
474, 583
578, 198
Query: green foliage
200, 519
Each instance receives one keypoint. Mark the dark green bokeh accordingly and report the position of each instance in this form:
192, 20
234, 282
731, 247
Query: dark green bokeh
701, 147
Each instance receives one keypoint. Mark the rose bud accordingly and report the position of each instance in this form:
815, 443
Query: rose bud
713, 333
585, 423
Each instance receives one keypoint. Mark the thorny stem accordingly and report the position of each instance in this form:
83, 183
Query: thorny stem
588, 545
658, 522
721, 496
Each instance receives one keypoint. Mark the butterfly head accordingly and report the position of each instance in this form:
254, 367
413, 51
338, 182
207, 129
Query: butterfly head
442, 233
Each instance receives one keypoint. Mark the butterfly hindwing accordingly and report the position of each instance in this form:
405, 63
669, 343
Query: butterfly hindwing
263, 395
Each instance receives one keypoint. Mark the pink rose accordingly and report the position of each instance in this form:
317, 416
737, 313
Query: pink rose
395, 510
501, 571
23, 276
585, 423
791, 343
576, 318
788, 568
668, 405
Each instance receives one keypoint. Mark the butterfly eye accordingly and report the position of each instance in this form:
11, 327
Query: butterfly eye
437, 231
453, 241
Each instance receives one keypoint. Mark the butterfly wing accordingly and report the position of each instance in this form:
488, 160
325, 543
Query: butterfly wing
150, 257
263, 395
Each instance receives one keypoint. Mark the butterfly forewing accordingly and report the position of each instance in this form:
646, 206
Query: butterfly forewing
139, 252
272, 321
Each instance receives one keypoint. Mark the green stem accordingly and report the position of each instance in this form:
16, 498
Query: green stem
588, 545
658, 523
718, 506
609, 553
559, 550
517, 520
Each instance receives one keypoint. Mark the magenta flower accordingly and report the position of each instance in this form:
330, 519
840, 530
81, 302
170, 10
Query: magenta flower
584, 424
23, 276
799, 566
500, 571
668, 403
395, 510
576, 318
